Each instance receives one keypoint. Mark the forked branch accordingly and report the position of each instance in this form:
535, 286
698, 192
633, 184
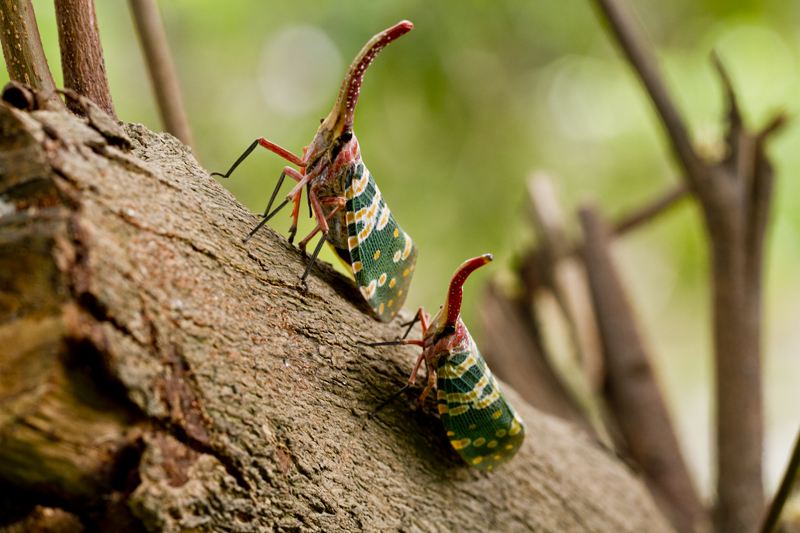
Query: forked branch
735, 195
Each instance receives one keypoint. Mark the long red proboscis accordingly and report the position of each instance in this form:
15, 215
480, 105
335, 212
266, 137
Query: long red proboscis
351, 87
455, 293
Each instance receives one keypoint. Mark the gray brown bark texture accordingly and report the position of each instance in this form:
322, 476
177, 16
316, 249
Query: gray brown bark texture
157, 374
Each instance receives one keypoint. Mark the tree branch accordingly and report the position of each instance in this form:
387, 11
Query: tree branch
82, 60
631, 389
638, 53
734, 194
153, 41
22, 46
515, 353
222, 395
789, 482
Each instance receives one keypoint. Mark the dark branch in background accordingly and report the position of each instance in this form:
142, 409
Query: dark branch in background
531, 269
638, 53
82, 60
790, 481
649, 211
514, 350
22, 46
735, 196
154, 43
631, 391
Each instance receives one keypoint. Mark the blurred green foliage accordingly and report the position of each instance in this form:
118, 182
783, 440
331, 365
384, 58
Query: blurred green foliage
454, 116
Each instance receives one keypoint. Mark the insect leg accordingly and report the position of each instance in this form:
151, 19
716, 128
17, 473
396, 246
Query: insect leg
338, 201
272, 147
429, 386
396, 342
287, 171
264, 220
313, 259
405, 387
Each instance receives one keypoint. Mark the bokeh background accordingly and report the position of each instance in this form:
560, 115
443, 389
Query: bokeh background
454, 117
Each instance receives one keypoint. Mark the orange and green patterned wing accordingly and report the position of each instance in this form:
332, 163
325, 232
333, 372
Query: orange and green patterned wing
382, 256
482, 427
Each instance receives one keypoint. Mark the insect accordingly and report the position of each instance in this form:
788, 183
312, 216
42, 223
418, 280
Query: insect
480, 424
349, 209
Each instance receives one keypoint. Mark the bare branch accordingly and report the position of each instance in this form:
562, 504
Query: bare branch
564, 280
734, 115
791, 477
22, 46
734, 194
154, 43
638, 53
631, 388
532, 268
82, 60
515, 352
647, 212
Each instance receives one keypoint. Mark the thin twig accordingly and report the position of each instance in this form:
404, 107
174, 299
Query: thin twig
633, 395
22, 46
638, 53
533, 266
153, 40
82, 60
647, 212
789, 482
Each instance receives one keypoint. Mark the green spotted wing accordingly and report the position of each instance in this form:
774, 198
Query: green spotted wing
381, 255
482, 427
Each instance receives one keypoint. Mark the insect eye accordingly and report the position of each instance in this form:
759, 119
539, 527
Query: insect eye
346, 136
447, 330
322, 120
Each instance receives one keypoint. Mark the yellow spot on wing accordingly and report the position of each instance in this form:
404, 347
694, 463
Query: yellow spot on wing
497, 414
392, 283
460, 410
381, 308
460, 444
492, 444
407, 248
384, 218
515, 428
396, 233
369, 290
480, 441
406, 272
478, 460
357, 266
500, 433
382, 279
451, 433
442, 408
376, 255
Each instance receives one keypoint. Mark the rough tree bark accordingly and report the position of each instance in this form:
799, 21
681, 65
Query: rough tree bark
157, 373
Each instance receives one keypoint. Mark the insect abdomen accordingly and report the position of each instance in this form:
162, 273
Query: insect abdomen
382, 255
482, 427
